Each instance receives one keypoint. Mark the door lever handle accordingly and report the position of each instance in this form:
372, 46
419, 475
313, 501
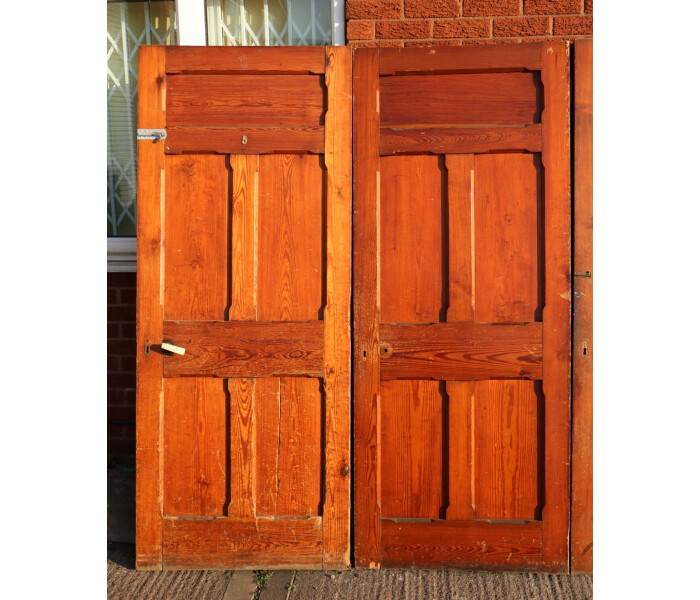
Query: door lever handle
172, 348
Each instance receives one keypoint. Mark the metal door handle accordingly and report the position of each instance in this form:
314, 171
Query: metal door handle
172, 348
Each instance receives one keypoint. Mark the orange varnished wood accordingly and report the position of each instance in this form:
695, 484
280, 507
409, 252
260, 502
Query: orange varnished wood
460, 351
461, 140
299, 452
411, 427
336, 315
411, 237
459, 99
149, 314
462, 544
506, 455
582, 399
244, 101
194, 447
267, 427
365, 307
448, 59
460, 171
242, 454
244, 140
242, 543
556, 316
244, 348
184, 59
506, 225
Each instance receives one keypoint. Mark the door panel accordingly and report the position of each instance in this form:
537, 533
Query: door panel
461, 296
245, 461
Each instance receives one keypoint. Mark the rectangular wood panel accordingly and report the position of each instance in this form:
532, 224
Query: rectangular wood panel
230, 543
459, 99
459, 140
183, 59
412, 431
506, 450
243, 140
447, 59
244, 101
507, 251
244, 348
460, 351
195, 447
242, 444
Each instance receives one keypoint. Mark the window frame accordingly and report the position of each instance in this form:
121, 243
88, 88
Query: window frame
191, 26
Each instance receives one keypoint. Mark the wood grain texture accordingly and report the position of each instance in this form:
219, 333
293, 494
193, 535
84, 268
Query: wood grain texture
366, 306
411, 238
336, 315
460, 351
447, 59
194, 447
244, 140
183, 59
149, 313
506, 220
242, 448
244, 348
411, 427
267, 411
196, 237
460, 460
244, 101
233, 543
556, 317
459, 99
462, 544
506, 450
461, 140
582, 392
290, 238
244, 237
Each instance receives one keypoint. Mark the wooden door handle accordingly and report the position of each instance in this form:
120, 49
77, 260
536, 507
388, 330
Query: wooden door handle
172, 348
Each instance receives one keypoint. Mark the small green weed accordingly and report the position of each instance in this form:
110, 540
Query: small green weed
291, 587
262, 577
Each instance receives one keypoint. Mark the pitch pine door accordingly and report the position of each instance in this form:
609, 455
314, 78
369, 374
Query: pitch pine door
244, 216
462, 296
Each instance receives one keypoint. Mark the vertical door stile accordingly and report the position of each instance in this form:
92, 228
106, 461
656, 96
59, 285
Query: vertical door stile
149, 318
336, 315
556, 316
366, 311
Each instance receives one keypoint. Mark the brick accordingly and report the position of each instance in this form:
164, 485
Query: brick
461, 28
128, 364
434, 43
573, 25
121, 432
113, 330
121, 313
520, 26
128, 330
121, 380
121, 280
490, 8
551, 7
121, 446
425, 8
491, 41
376, 44
372, 9
115, 397
121, 347
127, 296
588, 6
113, 364
402, 29
112, 295
121, 413
129, 395
360, 30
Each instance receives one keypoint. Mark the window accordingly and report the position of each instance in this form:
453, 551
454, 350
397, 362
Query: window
187, 22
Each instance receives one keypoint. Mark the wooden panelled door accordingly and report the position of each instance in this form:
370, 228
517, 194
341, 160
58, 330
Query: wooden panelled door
462, 299
244, 250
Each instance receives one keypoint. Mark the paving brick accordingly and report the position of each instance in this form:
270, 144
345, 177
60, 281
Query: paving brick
424, 8
461, 28
402, 29
520, 26
372, 9
573, 25
490, 8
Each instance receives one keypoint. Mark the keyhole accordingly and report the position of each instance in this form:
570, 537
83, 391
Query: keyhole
585, 349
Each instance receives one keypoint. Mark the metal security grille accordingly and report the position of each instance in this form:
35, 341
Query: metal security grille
269, 22
129, 24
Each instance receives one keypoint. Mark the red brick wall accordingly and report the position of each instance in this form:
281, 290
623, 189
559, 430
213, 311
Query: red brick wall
462, 22
121, 368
